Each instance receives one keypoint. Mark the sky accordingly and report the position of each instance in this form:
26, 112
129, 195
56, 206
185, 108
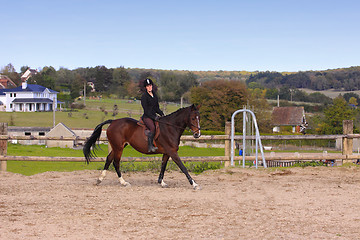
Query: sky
194, 35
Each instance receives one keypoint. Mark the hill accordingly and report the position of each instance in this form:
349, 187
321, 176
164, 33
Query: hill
342, 79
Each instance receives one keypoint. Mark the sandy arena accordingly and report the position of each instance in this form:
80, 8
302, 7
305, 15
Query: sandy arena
297, 203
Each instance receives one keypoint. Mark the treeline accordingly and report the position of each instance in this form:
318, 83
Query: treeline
175, 84
347, 79
120, 82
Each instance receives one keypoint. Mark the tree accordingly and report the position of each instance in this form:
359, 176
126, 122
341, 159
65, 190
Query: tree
353, 101
145, 75
132, 89
271, 93
254, 85
46, 78
23, 69
334, 116
218, 100
261, 108
174, 86
317, 97
349, 95
10, 71
103, 78
77, 86
64, 77
285, 93
121, 78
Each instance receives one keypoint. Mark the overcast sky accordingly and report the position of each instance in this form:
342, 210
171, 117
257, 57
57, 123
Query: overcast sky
202, 35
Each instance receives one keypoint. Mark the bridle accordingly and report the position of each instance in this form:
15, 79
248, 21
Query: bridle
198, 126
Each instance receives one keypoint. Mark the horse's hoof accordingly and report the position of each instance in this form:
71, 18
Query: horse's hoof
163, 184
98, 182
126, 184
197, 187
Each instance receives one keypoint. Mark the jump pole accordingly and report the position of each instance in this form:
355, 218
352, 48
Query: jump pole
258, 139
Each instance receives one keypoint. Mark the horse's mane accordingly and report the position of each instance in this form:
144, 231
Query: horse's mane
176, 113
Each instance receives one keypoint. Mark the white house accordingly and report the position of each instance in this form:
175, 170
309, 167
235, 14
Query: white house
29, 98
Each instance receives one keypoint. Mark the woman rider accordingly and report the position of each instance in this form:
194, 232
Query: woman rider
150, 104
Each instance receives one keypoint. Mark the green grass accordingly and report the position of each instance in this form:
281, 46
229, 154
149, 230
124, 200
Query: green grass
42, 150
301, 151
83, 118
34, 167
29, 168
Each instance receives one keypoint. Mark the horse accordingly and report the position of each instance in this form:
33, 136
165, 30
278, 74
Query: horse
126, 131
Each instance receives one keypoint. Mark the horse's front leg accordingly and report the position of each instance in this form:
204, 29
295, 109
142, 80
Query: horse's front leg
164, 162
175, 157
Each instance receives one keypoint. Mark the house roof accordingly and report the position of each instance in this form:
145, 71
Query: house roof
29, 129
60, 130
29, 88
6, 82
27, 74
292, 116
32, 100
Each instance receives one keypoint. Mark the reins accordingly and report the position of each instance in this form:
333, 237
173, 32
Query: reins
170, 124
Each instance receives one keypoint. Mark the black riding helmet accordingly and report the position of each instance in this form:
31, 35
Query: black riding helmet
148, 82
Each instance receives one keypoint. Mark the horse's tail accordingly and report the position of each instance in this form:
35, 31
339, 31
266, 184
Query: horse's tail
91, 141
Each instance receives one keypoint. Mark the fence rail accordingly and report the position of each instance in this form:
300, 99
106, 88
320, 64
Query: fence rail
345, 156
202, 138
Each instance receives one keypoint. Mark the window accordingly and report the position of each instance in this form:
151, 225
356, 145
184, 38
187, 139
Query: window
14, 94
41, 142
27, 133
10, 94
11, 106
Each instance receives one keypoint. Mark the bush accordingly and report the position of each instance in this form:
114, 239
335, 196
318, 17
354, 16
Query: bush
308, 164
77, 105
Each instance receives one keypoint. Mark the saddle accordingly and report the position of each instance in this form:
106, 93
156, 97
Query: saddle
146, 131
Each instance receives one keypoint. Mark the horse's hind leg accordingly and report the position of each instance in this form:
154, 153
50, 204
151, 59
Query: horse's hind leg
164, 162
109, 160
117, 168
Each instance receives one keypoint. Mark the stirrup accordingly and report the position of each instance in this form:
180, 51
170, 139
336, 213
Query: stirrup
152, 149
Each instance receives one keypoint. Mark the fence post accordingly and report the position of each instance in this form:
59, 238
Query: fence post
347, 142
3, 145
227, 143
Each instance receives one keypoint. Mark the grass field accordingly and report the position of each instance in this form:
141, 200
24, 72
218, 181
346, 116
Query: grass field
331, 93
96, 111
34, 167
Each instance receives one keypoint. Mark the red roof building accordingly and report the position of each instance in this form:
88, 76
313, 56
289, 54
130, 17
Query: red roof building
288, 116
6, 82
27, 74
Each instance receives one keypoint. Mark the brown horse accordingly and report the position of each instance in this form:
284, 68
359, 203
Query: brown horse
124, 131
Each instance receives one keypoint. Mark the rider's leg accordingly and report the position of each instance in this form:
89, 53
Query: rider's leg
151, 126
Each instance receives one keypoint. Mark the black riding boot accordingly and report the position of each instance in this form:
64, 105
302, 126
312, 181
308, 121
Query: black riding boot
151, 147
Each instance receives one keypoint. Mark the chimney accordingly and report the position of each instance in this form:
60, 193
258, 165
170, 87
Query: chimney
24, 85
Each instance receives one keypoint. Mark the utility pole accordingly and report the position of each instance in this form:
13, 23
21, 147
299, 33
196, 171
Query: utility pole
54, 111
84, 93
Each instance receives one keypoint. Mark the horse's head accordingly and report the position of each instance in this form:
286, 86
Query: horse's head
194, 121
